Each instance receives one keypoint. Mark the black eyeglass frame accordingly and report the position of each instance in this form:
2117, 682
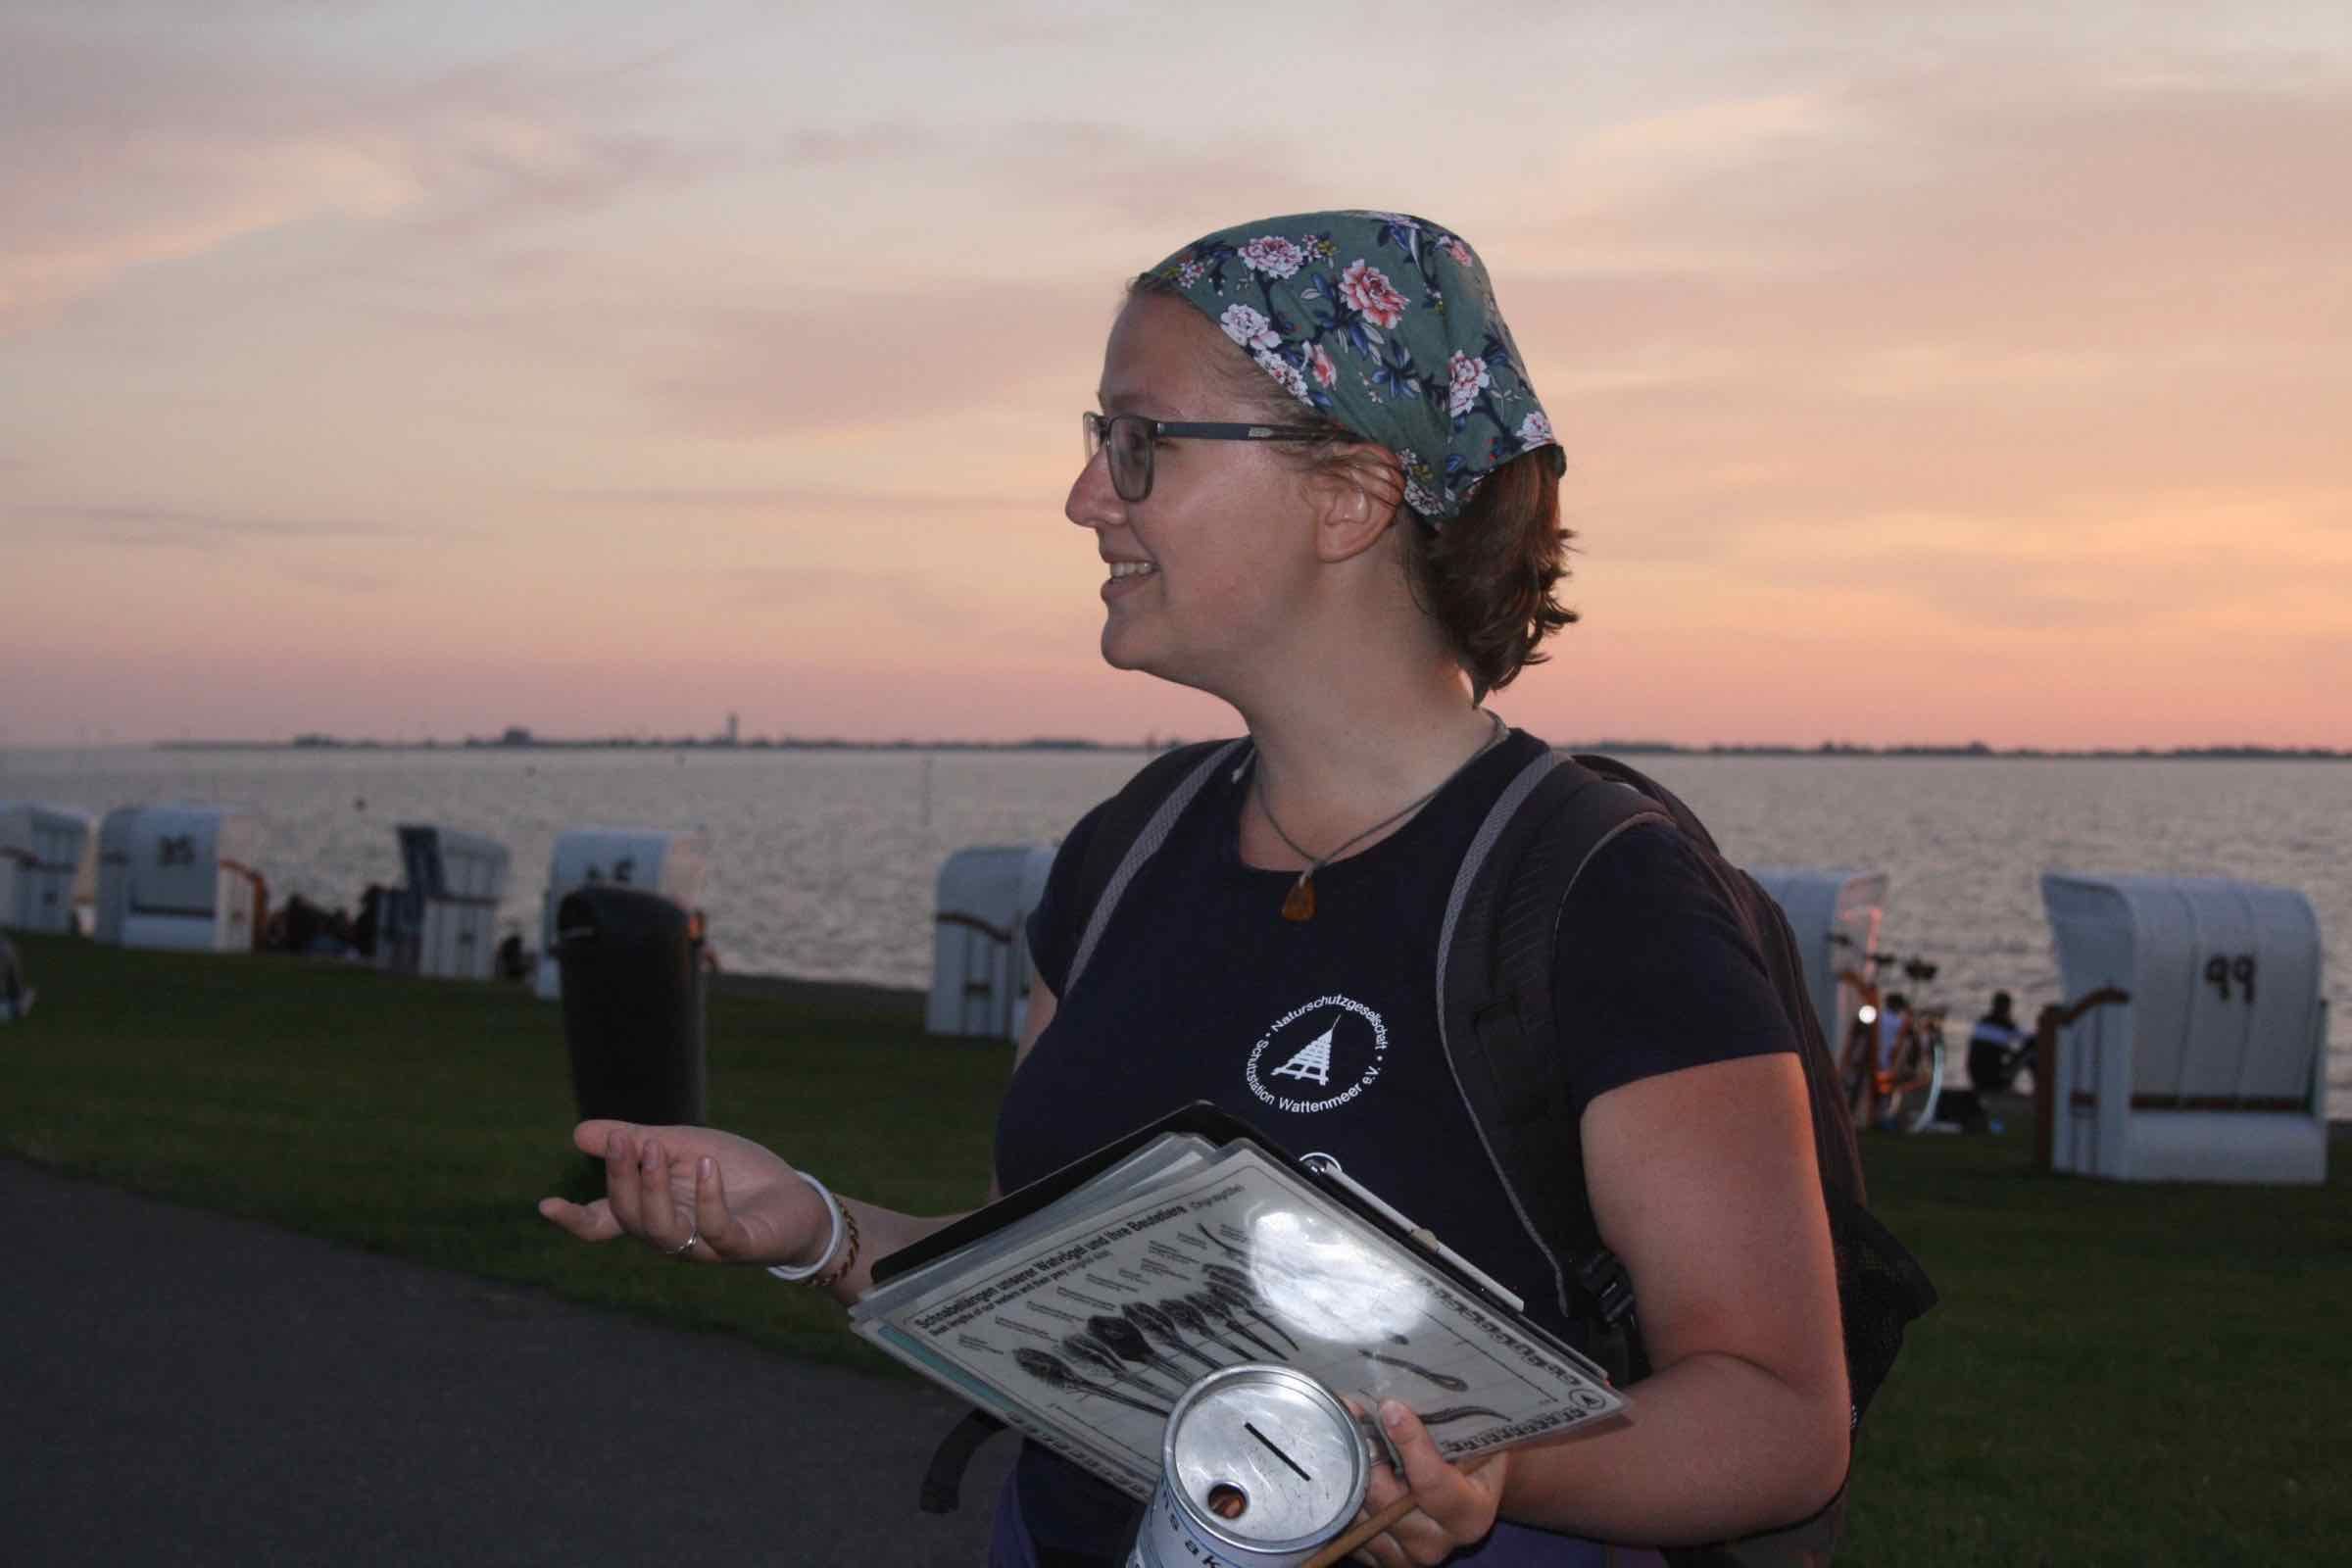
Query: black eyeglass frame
1098, 429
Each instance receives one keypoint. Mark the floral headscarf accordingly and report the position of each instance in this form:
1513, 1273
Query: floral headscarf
1388, 323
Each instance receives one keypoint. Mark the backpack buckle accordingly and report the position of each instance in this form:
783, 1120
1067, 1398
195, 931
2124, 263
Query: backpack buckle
1608, 1286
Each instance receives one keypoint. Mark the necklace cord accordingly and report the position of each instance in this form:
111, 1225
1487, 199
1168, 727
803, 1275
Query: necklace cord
1315, 863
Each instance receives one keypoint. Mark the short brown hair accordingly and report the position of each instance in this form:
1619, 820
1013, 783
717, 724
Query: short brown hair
1488, 576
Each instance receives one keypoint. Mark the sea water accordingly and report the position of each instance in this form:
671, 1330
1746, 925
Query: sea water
824, 862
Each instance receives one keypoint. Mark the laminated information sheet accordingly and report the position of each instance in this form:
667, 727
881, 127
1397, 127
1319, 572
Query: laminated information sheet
1080, 1321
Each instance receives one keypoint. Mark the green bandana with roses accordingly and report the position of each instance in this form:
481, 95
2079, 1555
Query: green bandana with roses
1385, 322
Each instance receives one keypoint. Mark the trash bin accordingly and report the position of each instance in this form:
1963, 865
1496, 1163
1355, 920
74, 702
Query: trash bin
632, 1004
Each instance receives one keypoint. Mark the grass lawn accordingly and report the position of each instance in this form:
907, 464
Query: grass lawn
2117, 1374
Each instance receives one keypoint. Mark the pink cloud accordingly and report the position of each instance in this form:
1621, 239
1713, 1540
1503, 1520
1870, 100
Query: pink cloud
136, 149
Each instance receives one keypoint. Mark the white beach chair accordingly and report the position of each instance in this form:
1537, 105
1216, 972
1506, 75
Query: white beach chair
980, 943
2209, 1067
180, 877
45, 852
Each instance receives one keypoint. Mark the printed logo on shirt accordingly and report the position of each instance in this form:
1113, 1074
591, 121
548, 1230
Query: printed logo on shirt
1318, 1056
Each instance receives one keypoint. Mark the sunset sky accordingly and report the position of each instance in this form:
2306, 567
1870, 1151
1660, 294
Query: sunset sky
1926, 372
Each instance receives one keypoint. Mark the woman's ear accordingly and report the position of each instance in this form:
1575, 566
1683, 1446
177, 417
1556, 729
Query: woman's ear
1357, 496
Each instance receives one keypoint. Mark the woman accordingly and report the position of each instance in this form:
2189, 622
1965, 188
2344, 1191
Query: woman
1325, 493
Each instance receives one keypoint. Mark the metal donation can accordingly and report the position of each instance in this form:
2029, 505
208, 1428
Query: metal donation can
1261, 1466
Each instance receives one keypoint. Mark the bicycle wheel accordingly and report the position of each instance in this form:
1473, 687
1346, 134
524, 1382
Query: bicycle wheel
1927, 1079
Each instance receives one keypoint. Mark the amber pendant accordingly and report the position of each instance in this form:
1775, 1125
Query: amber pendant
1300, 903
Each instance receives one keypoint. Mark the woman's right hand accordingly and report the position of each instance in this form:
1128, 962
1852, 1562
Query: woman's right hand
696, 1192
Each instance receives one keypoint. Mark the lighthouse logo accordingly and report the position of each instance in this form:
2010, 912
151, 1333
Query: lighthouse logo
1319, 1056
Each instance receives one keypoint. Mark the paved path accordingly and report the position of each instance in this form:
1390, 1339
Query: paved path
176, 1387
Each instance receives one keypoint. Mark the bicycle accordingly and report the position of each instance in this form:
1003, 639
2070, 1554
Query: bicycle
1879, 1075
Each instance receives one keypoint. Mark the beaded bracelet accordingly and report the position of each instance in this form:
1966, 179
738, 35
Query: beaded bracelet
807, 1274
849, 1255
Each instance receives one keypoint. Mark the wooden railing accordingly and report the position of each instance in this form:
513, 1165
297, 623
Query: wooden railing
2046, 1025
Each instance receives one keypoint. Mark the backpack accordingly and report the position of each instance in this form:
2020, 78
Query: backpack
1500, 1033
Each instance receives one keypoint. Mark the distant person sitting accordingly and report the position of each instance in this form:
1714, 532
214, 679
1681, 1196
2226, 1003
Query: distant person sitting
1996, 1048
303, 928
292, 925
371, 914
510, 961
16, 997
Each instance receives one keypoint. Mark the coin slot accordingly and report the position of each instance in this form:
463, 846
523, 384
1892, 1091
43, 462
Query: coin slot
1227, 1501
1275, 1448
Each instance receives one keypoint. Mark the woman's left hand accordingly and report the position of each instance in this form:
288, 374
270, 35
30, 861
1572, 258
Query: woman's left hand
1452, 1509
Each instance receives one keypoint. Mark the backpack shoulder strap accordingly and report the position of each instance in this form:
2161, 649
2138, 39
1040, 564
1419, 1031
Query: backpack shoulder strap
1495, 1017
1766, 924
1658, 795
1134, 824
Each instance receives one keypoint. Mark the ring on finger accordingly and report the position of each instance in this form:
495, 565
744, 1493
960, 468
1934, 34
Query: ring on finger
686, 1246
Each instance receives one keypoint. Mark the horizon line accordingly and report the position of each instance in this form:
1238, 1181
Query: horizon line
1152, 741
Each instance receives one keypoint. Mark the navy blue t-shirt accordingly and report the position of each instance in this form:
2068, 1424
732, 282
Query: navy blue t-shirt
1324, 1033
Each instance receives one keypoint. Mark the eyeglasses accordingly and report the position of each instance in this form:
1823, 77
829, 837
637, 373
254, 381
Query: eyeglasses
1132, 439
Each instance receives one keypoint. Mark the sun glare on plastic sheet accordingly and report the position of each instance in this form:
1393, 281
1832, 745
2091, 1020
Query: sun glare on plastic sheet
1316, 1279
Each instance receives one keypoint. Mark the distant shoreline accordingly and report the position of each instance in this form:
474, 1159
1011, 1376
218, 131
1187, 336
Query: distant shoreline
1972, 750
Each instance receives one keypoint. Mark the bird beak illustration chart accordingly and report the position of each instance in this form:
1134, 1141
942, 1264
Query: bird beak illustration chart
1082, 1322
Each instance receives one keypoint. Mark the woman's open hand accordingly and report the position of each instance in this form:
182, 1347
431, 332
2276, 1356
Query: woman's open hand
693, 1193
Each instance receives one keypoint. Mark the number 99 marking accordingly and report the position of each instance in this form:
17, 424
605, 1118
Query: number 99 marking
2221, 968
